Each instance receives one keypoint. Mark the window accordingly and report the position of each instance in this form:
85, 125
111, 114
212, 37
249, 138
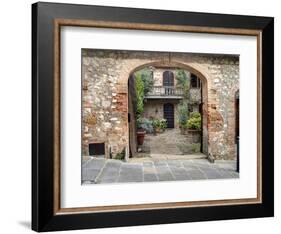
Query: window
168, 78
194, 81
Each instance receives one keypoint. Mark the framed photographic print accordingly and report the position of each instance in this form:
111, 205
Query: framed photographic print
149, 116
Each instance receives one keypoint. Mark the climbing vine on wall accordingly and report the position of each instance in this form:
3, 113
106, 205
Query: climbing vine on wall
146, 75
139, 94
183, 82
144, 84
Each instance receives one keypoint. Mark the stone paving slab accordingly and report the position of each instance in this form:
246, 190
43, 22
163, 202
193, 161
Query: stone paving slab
89, 174
150, 178
164, 173
195, 174
110, 173
180, 173
131, 173
100, 170
85, 159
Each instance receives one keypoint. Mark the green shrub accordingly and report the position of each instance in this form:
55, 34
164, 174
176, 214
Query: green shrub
146, 75
163, 124
194, 122
159, 123
145, 124
121, 155
182, 114
189, 148
195, 147
195, 115
139, 94
183, 81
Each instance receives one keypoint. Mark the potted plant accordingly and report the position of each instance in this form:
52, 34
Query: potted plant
140, 131
194, 122
182, 116
163, 124
155, 126
193, 126
159, 125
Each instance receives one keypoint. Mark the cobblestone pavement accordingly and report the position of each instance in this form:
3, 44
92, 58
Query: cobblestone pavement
167, 142
170, 142
100, 170
164, 143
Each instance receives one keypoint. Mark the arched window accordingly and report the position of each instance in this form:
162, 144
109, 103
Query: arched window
168, 78
194, 81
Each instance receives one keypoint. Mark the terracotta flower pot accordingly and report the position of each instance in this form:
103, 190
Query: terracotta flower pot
140, 137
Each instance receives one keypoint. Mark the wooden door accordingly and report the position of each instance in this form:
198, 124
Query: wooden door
132, 116
169, 115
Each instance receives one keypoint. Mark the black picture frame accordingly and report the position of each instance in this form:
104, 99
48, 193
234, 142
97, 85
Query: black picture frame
43, 104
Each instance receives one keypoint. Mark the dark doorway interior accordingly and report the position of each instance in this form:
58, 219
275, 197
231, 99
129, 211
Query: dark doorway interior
169, 115
96, 149
237, 116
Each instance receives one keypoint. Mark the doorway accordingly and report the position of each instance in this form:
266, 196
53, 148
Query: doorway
169, 115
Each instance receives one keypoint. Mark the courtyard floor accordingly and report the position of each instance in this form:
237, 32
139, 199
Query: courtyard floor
170, 142
100, 170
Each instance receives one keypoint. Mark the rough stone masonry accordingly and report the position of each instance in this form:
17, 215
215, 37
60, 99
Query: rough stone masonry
105, 75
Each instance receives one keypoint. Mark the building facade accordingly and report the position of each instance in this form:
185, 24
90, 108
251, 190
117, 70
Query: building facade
163, 100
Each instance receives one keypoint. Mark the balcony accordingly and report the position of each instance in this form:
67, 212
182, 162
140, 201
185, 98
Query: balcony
165, 92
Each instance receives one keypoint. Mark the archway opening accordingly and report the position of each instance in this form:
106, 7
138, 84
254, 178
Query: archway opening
174, 111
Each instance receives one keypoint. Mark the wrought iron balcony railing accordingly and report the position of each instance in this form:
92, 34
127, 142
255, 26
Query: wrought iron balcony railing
165, 91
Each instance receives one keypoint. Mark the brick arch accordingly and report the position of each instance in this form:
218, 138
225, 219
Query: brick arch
199, 70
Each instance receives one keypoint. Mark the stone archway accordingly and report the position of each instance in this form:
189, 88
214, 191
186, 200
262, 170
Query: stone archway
202, 75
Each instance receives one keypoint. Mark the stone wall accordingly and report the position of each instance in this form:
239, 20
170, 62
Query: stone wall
223, 85
105, 76
192, 136
103, 102
153, 109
